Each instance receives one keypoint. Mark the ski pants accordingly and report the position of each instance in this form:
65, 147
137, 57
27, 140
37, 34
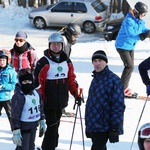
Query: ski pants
99, 140
7, 107
51, 136
28, 140
127, 56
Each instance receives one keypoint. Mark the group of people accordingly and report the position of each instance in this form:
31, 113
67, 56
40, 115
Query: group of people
41, 87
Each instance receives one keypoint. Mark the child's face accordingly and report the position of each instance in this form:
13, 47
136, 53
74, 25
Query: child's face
3, 62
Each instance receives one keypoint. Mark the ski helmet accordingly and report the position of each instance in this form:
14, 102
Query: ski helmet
72, 29
56, 37
141, 8
5, 54
144, 133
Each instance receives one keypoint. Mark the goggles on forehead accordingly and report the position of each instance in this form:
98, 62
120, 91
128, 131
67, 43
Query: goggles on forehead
145, 133
24, 71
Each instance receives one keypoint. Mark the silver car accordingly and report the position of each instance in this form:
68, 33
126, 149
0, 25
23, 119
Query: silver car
90, 15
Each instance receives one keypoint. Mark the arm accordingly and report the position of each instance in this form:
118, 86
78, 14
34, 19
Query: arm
143, 67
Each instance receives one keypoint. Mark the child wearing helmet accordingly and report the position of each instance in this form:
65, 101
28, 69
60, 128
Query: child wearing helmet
144, 137
8, 80
55, 74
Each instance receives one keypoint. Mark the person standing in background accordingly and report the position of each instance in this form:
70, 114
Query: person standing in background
132, 30
23, 54
70, 35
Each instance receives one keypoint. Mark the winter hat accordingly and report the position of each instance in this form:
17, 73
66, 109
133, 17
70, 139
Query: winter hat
100, 54
25, 75
21, 34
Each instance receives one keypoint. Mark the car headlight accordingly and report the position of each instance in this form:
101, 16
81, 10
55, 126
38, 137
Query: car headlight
109, 27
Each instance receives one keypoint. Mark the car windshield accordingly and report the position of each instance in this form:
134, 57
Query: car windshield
99, 6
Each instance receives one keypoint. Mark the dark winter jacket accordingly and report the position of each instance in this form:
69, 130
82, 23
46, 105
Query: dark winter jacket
129, 32
105, 104
26, 59
8, 80
56, 79
144, 66
17, 105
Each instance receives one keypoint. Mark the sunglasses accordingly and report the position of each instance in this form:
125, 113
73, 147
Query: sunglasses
24, 71
20, 40
145, 133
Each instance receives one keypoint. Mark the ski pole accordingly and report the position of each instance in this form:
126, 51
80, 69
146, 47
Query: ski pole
139, 122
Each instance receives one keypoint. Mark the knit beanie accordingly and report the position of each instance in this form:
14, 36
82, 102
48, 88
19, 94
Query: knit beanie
21, 34
100, 54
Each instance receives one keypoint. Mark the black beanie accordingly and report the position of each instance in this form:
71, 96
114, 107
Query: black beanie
26, 76
100, 54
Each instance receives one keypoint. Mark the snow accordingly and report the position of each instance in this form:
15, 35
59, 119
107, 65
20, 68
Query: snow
15, 18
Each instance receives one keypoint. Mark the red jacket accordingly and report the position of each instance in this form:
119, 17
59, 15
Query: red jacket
27, 59
56, 80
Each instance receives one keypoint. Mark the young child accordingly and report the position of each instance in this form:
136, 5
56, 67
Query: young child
27, 112
8, 79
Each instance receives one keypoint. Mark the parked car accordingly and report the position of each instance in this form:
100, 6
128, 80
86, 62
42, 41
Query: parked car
112, 28
91, 15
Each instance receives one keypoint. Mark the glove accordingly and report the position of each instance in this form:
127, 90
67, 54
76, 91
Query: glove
113, 135
78, 98
88, 134
42, 128
17, 138
145, 35
148, 90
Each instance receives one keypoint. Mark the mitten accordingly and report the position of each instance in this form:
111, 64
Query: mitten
113, 135
148, 90
17, 138
145, 35
42, 128
88, 134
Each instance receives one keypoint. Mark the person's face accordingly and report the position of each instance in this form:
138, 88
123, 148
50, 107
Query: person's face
146, 144
56, 47
3, 62
19, 41
74, 37
99, 64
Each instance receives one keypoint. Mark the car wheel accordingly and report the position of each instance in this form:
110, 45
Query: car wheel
89, 27
39, 23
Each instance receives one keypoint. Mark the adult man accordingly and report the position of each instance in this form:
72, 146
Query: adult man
105, 105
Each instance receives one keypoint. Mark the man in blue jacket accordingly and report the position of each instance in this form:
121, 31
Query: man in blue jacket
132, 30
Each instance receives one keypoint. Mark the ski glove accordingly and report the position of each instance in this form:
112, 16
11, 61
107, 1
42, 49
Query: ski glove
42, 128
113, 135
148, 90
17, 138
145, 35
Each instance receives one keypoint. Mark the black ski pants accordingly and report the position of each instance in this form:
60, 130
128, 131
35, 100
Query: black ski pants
127, 56
51, 136
99, 140
7, 107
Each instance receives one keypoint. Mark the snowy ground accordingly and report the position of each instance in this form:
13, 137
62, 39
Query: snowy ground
14, 19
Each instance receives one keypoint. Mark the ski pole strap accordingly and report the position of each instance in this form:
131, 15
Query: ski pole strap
78, 97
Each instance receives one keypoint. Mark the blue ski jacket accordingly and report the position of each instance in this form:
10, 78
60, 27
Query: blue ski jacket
128, 35
8, 80
105, 103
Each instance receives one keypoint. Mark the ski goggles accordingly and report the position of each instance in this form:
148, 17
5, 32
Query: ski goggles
20, 40
145, 133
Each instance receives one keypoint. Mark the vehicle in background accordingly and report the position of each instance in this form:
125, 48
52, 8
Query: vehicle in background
91, 15
112, 28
